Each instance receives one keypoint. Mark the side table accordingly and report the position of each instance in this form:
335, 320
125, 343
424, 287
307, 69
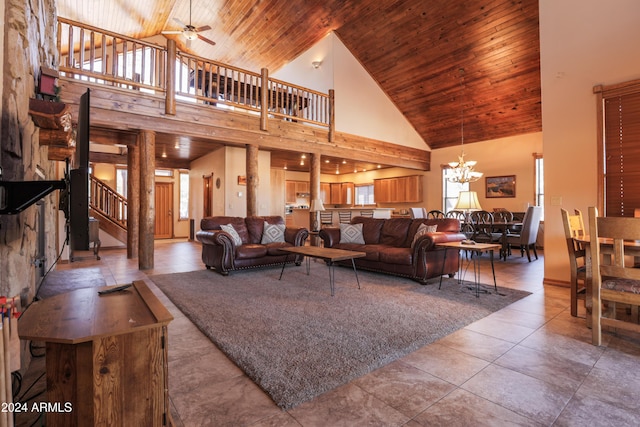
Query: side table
477, 247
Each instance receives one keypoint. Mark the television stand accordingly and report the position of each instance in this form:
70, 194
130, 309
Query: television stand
106, 356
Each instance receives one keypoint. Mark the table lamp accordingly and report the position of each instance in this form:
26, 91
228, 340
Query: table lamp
316, 206
468, 201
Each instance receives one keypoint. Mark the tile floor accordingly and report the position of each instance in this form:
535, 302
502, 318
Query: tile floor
530, 363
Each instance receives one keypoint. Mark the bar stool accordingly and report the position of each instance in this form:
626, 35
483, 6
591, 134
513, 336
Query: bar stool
344, 217
326, 218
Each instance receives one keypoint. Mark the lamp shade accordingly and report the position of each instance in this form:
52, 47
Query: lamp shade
316, 205
468, 200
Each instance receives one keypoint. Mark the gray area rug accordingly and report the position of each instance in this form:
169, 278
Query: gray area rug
61, 281
296, 341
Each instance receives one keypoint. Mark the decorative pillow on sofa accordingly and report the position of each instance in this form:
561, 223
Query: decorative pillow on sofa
422, 230
351, 233
272, 233
233, 233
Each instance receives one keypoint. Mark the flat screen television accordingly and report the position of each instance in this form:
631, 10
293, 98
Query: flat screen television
79, 182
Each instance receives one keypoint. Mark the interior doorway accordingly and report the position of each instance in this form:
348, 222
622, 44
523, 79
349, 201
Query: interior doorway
207, 197
164, 210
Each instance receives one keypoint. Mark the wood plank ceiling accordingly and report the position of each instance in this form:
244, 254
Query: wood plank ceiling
442, 62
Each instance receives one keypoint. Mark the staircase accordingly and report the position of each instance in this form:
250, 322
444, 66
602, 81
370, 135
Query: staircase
108, 207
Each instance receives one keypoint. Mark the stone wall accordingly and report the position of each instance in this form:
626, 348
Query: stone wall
29, 42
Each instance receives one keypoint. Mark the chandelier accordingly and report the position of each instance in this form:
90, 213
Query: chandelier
462, 171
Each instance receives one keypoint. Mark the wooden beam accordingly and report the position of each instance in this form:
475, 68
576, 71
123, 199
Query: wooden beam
147, 199
253, 180
133, 201
122, 111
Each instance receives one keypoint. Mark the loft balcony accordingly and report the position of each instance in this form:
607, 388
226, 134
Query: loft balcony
199, 104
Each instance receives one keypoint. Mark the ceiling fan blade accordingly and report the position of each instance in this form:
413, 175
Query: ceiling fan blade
179, 22
203, 28
204, 39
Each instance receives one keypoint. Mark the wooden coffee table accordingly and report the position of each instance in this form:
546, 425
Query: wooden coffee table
330, 255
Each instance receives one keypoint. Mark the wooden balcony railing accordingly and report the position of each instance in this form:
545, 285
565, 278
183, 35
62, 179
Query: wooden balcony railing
108, 202
99, 56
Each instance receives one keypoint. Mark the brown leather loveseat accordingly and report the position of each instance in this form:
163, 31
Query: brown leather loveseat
256, 244
390, 246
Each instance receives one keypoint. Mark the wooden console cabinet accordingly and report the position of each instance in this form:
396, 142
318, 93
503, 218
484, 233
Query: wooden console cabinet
106, 356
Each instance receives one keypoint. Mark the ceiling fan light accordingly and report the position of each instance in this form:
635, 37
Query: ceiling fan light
190, 34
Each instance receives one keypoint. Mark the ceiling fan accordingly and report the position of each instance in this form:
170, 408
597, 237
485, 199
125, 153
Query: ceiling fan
190, 32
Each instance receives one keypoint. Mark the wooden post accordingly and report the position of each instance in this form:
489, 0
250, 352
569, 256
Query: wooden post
252, 180
332, 114
314, 187
147, 199
133, 199
170, 83
264, 100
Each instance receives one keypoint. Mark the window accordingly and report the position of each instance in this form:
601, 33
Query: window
164, 172
619, 148
121, 181
184, 194
364, 194
539, 180
450, 191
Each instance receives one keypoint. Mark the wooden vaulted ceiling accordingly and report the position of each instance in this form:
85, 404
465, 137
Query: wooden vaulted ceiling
448, 65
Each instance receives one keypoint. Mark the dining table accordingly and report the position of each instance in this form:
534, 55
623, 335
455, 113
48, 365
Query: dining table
469, 228
631, 248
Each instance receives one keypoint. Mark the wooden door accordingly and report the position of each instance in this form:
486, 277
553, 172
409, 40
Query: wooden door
164, 210
207, 197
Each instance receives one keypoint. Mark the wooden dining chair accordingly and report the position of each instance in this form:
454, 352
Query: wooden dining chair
367, 213
482, 226
574, 228
435, 213
615, 281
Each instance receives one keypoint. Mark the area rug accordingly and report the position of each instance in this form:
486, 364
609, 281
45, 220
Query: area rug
296, 341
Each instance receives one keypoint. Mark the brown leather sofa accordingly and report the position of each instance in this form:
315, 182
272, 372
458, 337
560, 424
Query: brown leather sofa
388, 245
219, 252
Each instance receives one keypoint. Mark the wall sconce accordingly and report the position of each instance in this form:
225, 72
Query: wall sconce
316, 64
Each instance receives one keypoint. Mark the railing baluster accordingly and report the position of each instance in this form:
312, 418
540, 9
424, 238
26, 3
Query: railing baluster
209, 79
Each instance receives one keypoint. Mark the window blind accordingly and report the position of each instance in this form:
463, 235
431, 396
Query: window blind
622, 154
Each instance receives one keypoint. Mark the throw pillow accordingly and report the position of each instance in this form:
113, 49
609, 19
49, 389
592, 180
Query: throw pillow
233, 233
422, 230
351, 233
272, 233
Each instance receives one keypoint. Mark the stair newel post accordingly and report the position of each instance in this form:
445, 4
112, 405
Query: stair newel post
170, 83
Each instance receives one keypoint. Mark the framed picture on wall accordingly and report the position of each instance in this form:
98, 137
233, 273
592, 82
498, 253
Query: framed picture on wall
500, 186
242, 180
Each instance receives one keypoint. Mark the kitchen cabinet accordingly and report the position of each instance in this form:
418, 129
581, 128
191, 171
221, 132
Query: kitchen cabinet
337, 193
403, 189
290, 192
325, 193
294, 190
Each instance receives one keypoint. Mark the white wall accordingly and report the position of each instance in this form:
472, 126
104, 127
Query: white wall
362, 108
583, 43
230, 199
